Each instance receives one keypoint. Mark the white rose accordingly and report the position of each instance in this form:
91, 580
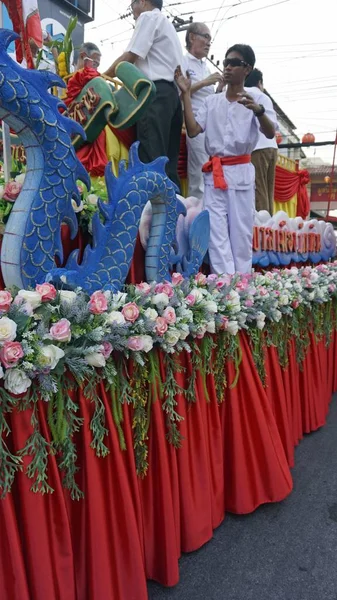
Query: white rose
197, 294
151, 313
211, 306
50, 356
1, 372
260, 323
16, 381
7, 330
314, 276
283, 300
20, 178
210, 327
311, 296
172, 336
114, 318
77, 207
33, 298
67, 297
95, 359
118, 299
184, 331
232, 327
277, 315
2, 190
148, 342
92, 199
160, 299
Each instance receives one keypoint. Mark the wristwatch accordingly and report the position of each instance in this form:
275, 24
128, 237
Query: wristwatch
260, 112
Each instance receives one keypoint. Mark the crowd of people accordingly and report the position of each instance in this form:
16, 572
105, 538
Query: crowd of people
230, 126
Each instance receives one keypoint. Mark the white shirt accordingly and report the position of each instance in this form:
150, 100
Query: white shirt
232, 130
156, 43
263, 141
198, 70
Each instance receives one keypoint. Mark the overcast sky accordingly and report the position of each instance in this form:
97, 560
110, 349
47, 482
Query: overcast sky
296, 49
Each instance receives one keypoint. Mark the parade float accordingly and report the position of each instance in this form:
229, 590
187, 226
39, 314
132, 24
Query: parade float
133, 416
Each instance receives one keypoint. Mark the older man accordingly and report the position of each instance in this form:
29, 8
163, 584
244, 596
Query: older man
155, 49
198, 43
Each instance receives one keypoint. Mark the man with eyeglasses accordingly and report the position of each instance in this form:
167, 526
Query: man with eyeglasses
231, 122
155, 49
198, 44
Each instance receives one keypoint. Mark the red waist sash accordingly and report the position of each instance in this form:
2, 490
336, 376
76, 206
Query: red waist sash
215, 165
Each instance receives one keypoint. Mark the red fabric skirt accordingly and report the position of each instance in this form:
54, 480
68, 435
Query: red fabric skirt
234, 457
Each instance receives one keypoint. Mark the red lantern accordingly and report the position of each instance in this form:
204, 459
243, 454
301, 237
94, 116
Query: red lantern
327, 179
308, 138
278, 137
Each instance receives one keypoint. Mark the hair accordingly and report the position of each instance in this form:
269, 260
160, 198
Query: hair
157, 3
89, 48
193, 28
254, 78
246, 52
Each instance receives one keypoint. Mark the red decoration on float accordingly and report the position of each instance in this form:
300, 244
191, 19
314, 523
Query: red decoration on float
278, 137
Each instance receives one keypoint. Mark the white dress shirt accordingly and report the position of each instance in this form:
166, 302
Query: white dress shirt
232, 130
263, 141
198, 70
156, 43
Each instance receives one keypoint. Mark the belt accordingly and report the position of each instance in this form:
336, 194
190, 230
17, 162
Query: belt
214, 165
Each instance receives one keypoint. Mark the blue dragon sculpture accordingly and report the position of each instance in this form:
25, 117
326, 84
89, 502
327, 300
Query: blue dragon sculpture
32, 237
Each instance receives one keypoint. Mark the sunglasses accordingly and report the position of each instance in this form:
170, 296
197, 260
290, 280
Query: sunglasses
234, 62
205, 35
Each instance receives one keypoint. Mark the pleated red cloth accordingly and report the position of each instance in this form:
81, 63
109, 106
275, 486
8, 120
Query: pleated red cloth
234, 457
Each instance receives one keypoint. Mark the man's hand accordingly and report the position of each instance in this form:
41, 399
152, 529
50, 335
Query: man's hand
213, 79
248, 102
184, 83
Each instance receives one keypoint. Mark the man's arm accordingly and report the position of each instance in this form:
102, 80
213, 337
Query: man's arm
184, 83
127, 56
266, 125
210, 80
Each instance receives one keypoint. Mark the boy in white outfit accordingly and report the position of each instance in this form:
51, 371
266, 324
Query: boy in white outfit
231, 121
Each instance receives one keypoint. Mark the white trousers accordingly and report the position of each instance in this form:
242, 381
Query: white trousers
231, 238
196, 158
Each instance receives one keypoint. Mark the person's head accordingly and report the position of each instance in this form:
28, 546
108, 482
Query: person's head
238, 63
198, 40
140, 6
89, 56
255, 79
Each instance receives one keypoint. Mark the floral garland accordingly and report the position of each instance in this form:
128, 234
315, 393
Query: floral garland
52, 342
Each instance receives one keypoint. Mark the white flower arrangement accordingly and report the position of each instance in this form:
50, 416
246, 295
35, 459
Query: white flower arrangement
44, 331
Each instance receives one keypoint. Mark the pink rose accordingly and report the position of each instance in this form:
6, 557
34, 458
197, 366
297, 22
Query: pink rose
177, 278
10, 354
249, 303
12, 190
130, 312
212, 277
200, 278
5, 300
161, 326
223, 322
61, 331
46, 291
143, 287
224, 280
107, 349
241, 286
164, 288
169, 315
135, 343
190, 299
331, 288
295, 304
97, 303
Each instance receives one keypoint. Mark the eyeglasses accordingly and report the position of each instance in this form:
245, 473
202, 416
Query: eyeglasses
205, 35
234, 62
